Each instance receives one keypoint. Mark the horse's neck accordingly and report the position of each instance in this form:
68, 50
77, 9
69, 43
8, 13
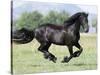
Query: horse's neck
76, 27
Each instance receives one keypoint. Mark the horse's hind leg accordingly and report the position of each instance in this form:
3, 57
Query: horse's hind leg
77, 53
47, 55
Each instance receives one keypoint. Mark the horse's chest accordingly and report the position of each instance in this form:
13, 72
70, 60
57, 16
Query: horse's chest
70, 38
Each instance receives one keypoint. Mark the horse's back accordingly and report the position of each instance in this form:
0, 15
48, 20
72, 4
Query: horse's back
49, 33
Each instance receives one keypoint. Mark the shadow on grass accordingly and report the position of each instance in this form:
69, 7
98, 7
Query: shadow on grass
36, 65
81, 64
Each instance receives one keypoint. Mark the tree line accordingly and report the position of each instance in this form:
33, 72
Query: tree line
33, 19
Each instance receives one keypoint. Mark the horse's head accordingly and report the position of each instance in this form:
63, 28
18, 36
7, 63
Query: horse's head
22, 36
80, 17
84, 21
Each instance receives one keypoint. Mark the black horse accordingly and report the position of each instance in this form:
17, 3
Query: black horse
67, 34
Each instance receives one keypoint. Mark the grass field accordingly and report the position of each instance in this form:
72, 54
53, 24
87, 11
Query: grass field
27, 59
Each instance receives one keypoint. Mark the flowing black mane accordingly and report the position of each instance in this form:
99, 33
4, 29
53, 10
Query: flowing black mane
73, 18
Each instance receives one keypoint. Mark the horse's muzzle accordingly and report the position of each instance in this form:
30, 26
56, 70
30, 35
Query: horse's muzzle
86, 29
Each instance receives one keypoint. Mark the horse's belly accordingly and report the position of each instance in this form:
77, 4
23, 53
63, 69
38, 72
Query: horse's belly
57, 39
59, 43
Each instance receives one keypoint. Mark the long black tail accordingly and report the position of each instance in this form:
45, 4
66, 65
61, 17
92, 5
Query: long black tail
27, 37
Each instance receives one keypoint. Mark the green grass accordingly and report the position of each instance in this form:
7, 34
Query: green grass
27, 59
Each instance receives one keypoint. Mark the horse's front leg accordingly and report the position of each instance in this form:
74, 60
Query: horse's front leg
77, 53
66, 58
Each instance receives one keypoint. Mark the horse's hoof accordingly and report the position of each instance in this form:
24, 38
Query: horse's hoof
66, 60
54, 60
46, 57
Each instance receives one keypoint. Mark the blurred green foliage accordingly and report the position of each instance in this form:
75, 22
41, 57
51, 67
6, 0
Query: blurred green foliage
28, 20
33, 19
94, 23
